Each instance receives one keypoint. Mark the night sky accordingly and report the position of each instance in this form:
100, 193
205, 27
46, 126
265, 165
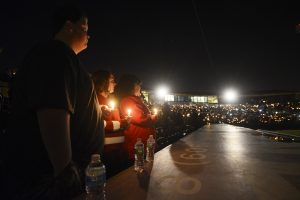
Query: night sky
194, 47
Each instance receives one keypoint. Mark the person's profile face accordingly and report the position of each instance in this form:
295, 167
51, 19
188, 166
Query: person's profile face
137, 89
80, 34
111, 84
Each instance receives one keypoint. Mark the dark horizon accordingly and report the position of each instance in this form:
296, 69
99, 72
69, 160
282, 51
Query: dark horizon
203, 46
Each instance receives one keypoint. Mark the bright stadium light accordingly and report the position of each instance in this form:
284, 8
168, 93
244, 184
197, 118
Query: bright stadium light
161, 92
230, 95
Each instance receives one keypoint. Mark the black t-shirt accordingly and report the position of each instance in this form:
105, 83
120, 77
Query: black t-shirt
51, 76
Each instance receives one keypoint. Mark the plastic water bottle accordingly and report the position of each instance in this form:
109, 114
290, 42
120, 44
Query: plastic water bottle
138, 155
150, 149
95, 178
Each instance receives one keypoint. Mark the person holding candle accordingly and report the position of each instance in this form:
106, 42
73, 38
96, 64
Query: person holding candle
104, 82
128, 92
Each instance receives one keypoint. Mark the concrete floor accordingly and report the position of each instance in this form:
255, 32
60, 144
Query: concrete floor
216, 162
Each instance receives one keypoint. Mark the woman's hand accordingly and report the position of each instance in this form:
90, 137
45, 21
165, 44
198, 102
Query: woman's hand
125, 123
105, 111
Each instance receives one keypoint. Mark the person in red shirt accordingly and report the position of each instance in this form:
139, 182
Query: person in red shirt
104, 82
142, 122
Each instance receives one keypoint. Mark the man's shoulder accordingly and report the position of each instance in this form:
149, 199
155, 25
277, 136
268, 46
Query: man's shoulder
51, 48
50, 53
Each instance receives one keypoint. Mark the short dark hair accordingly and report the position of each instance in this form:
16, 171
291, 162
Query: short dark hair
101, 80
65, 13
126, 85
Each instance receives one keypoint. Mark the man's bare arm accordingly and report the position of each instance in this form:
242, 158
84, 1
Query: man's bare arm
55, 129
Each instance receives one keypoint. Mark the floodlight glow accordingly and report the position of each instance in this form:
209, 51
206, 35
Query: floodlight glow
230, 95
162, 92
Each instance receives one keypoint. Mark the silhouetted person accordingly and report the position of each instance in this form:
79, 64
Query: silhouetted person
56, 122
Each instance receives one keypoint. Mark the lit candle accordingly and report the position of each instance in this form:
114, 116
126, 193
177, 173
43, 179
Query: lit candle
129, 112
155, 111
112, 104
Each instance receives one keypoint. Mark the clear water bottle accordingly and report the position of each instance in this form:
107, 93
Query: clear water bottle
95, 178
150, 149
138, 155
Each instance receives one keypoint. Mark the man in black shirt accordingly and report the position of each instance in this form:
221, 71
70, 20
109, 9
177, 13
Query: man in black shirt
56, 123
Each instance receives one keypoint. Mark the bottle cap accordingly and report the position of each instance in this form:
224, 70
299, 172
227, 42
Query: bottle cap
151, 136
95, 157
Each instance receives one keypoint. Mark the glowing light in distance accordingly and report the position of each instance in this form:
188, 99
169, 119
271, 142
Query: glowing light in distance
162, 91
230, 95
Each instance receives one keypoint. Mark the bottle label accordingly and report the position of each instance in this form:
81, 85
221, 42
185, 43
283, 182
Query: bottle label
139, 156
95, 181
139, 152
150, 153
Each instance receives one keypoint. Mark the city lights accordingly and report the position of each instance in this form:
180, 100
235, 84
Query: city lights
241, 114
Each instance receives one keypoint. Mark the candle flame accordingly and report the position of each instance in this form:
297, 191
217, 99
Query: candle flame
129, 112
112, 104
155, 111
